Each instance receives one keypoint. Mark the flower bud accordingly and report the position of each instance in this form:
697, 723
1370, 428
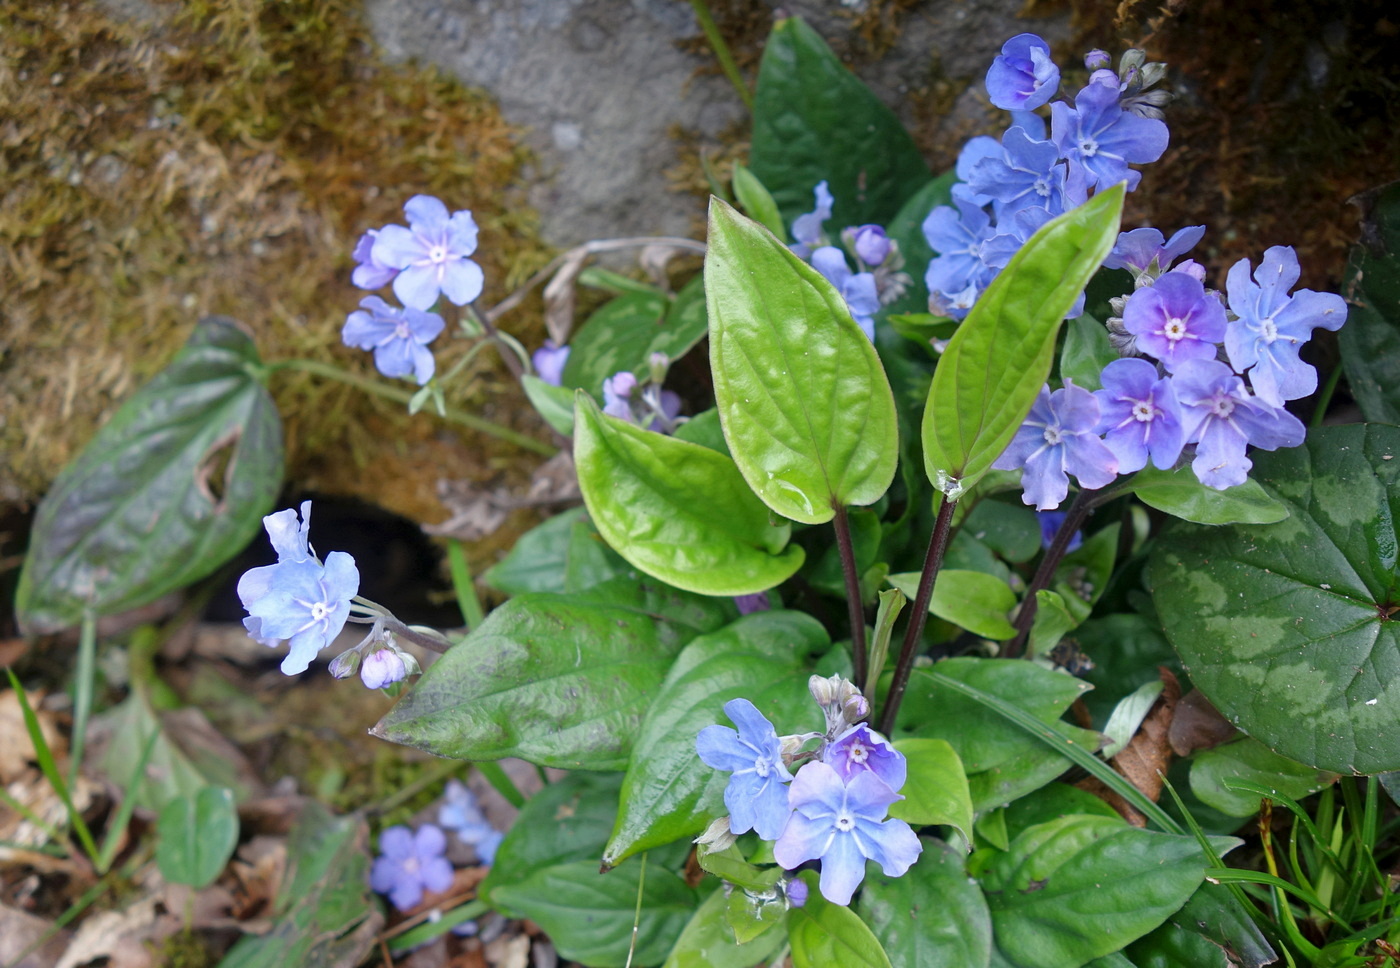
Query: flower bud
871, 244
346, 664
658, 364
823, 690
796, 890
382, 667
855, 708
717, 836
1097, 59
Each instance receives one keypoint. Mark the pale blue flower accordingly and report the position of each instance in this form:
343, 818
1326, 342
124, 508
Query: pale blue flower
1023, 173
1221, 418
843, 825
1050, 524
1140, 414
369, 273
1098, 138
756, 796
461, 814
856, 288
861, 749
959, 273
549, 361
871, 243
1146, 250
431, 256
1175, 319
410, 863
807, 229
398, 337
1058, 439
617, 394
381, 668
1023, 77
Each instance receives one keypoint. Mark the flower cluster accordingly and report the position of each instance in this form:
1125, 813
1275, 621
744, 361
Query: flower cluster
461, 814
642, 402
430, 257
876, 280
299, 599
834, 807
410, 863
1009, 188
1154, 410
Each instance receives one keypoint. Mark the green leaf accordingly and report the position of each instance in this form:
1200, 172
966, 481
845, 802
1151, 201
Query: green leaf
757, 201
1002, 761
678, 511
1212, 923
1083, 574
805, 404
730, 865
1051, 802
823, 934
704, 429
1052, 620
1011, 530
706, 942
1370, 340
933, 916
1000, 356
668, 793
554, 404
616, 337
559, 680
562, 552
972, 600
936, 788
750, 916
1086, 352
323, 913
589, 916
173, 486
1181, 495
1287, 628
1213, 771
1082, 887
196, 837
813, 120
907, 229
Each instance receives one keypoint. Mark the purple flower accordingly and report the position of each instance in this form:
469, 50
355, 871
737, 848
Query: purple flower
382, 667
844, 825
857, 289
1023, 173
748, 604
1096, 59
399, 337
756, 796
1140, 414
617, 393
959, 273
298, 598
796, 890
807, 229
1057, 440
861, 749
461, 814
871, 243
410, 863
1145, 249
1050, 524
370, 274
1221, 418
431, 255
1272, 325
1023, 77
1175, 320
1101, 139
549, 362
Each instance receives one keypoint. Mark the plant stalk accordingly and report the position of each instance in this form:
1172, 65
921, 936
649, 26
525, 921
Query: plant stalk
853, 604
722, 52
1079, 510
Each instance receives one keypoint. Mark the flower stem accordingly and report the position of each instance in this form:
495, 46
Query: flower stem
722, 52
1325, 397
1079, 510
451, 414
853, 603
933, 561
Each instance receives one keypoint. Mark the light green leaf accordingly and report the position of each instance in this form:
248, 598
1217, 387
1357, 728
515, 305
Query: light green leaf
1086, 352
823, 934
616, 337
554, 404
804, 401
972, 600
936, 789
174, 485
1287, 628
196, 836
1181, 495
704, 429
933, 916
1001, 355
756, 200
559, 680
706, 943
678, 511
1213, 771
1052, 621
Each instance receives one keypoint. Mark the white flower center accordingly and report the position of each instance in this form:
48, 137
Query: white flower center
1088, 147
845, 821
437, 253
1174, 328
859, 752
1042, 188
319, 610
1222, 407
401, 330
1268, 329
762, 767
1053, 437
1143, 411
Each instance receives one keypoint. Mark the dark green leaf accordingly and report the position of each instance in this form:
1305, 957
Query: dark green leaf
563, 551
1287, 628
805, 404
813, 120
1181, 495
323, 913
1084, 573
706, 941
936, 789
1086, 352
1126, 650
1051, 802
1213, 771
1082, 887
678, 511
616, 337
1052, 620
933, 916
1011, 530
1000, 356
1370, 340
173, 486
559, 680
1212, 922
823, 934
668, 793
972, 600
196, 836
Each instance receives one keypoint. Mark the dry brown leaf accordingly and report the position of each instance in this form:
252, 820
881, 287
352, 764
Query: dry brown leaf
19, 930
509, 952
1198, 725
1144, 761
16, 748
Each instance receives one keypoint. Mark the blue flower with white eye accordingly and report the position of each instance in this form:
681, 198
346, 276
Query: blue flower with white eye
856, 288
1058, 439
1175, 319
409, 864
1221, 418
757, 796
1140, 414
398, 337
431, 255
1099, 139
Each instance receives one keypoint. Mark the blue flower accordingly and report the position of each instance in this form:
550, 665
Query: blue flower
382, 667
461, 814
871, 243
807, 229
843, 825
1141, 416
410, 863
1058, 439
549, 361
1221, 418
1023, 77
1145, 250
748, 604
1175, 320
399, 337
1100, 139
431, 256
856, 288
1272, 325
1050, 524
369, 273
959, 273
298, 598
756, 796
617, 395
973, 153
1023, 173
861, 749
